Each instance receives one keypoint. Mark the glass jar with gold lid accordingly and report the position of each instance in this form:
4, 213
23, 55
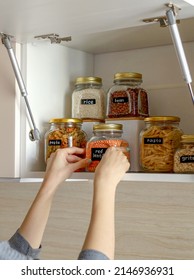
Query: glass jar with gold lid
158, 142
88, 98
64, 133
184, 155
126, 98
104, 136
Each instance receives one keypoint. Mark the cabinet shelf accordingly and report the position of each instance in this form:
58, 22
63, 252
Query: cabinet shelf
144, 177
130, 176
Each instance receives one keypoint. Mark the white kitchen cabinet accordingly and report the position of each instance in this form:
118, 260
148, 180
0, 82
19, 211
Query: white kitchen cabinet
154, 219
106, 38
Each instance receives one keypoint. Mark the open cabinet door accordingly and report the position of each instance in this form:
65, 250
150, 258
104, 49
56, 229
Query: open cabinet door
9, 117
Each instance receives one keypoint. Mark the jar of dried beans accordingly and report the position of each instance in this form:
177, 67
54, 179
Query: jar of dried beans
64, 133
184, 155
88, 98
105, 135
158, 142
126, 98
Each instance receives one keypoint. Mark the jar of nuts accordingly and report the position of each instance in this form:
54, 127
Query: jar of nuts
158, 142
104, 136
126, 98
64, 133
184, 155
88, 98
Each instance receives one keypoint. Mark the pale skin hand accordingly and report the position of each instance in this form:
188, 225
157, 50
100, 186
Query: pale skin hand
60, 166
101, 231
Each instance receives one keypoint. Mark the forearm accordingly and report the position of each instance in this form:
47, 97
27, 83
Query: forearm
101, 231
33, 226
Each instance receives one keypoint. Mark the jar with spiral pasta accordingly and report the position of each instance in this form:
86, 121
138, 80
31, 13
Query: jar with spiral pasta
64, 133
158, 142
88, 98
104, 136
184, 155
126, 98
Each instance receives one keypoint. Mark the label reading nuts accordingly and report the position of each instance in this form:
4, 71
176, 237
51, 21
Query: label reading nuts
187, 159
153, 140
97, 153
88, 101
55, 142
120, 100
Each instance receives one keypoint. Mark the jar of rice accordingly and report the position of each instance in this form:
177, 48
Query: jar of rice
88, 98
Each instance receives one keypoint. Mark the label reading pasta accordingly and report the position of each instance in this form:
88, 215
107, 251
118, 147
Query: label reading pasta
187, 159
120, 100
88, 101
97, 153
55, 142
153, 140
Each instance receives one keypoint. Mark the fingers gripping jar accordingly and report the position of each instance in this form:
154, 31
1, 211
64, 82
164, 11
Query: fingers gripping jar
105, 135
88, 98
158, 142
184, 155
126, 98
64, 133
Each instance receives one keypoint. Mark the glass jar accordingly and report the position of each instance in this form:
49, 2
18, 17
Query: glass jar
64, 133
158, 142
184, 155
105, 135
88, 98
126, 98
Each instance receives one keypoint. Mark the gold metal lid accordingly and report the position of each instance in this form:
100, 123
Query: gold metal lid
65, 121
108, 126
127, 75
162, 119
88, 80
186, 138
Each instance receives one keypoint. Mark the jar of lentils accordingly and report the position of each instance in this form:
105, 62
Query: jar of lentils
64, 133
158, 142
104, 136
126, 98
88, 98
184, 155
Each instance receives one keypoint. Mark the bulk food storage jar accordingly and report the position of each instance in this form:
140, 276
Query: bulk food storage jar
184, 155
88, 98
64, 133
126, 98
158, 142
104, 136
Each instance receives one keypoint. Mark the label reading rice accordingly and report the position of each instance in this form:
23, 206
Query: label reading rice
88, 101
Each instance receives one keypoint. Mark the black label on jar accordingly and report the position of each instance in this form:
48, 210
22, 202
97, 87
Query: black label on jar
187, 159
55, 142
153, 140
88, 101
97, 153
120, 100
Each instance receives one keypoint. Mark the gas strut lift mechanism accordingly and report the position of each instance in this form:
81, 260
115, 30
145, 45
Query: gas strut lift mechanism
34, 133
170, 21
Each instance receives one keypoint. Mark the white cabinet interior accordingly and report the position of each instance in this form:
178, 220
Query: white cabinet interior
106, 38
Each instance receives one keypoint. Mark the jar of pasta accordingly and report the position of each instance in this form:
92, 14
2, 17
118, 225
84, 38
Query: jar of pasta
158, 142
104, 136
184, 155
88, 98
64, 133
126, 98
